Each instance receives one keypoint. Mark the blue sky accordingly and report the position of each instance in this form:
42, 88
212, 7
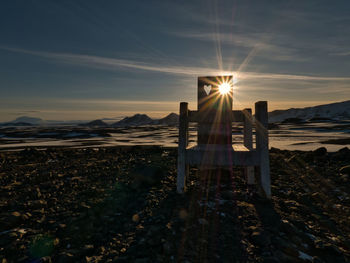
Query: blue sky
93, 59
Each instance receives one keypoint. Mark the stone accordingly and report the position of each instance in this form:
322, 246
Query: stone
320, 151
345, 170
291, 251
13, 220
142, 260
203, 221
227, 195
261, 239
345, 178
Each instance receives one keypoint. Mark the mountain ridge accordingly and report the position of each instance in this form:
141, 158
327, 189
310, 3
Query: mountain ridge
336, 111
330, 111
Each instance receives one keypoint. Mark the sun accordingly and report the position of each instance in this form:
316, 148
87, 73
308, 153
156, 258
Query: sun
224, 88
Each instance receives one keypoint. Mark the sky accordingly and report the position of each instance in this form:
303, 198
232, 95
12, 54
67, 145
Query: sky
84, 59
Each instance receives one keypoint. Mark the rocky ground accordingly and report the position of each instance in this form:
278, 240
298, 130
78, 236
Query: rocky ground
120, 205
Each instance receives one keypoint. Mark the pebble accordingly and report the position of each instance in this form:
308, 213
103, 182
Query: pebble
95, 199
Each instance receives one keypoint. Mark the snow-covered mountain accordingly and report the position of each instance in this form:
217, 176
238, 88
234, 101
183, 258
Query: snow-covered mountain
171, 119
95, 123
26, 119
335, 111
33, 121
136, 120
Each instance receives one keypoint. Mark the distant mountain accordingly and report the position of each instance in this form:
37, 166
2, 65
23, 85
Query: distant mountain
326, 112
171, 119
23, 121
112, 119
95, 123
26, 119
332, 111
136, 120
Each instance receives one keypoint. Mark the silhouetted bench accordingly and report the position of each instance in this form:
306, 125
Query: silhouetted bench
214, 139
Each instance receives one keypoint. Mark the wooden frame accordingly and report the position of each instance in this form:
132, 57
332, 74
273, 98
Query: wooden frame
206, 155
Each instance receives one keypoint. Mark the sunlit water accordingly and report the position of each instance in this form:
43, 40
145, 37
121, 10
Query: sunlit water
288, 137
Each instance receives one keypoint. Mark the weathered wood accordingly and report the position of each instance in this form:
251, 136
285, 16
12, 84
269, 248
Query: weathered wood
214, 117
240, 148
183, 142
248, 142
247, 128
262, 145
215, 133
220, 155
237, 116
195, 116
214, 108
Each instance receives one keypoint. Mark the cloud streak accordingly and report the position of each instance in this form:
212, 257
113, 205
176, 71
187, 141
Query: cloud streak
120, 64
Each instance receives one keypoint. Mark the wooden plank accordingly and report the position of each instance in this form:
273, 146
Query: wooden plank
183, 142
250, 175
237, 116
247, 128
192, 115
215, 133
262, 145
248, 142
216, 155
239, 148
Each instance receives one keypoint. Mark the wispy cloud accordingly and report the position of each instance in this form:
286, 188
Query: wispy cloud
257, 41
256, 75
118, 64
346, 53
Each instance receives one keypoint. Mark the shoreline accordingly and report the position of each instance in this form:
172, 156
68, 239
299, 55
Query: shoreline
150, 146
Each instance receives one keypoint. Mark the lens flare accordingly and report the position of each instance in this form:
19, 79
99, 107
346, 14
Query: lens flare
224, 88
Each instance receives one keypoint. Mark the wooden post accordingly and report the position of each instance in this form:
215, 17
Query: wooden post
262, 145
248, 142
247, 129
182, 168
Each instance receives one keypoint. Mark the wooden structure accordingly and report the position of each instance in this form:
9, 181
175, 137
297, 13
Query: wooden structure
215, 149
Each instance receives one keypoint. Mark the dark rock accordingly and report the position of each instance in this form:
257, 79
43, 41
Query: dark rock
288, 228
261, 239
308, 157
320, 151
6, 239
285, 257
292, 159
12, 220
274, 150
227, 195
345, 178
66, 257
345, 170
344, 150
293, 120
142, 260
146, 176
271, 260
291, 251
331, 249
342, 155
279, 242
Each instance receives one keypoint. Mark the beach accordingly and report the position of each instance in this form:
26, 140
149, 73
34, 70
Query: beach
119, 204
